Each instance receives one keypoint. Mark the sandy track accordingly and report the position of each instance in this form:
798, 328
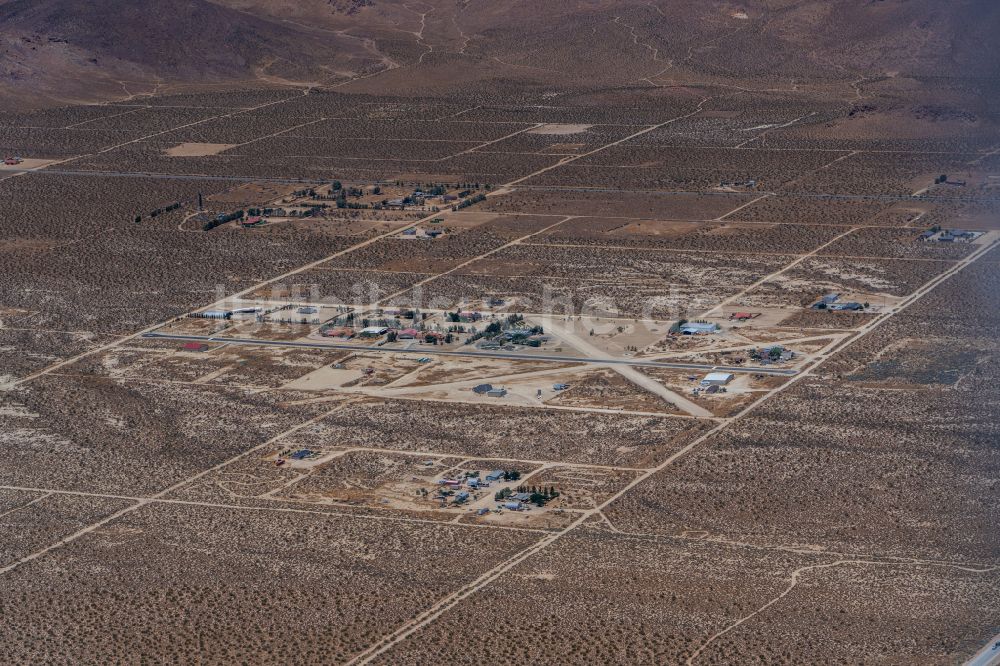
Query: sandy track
797, 576
284, 276
143, 501
430, 615
766, 278
627, 371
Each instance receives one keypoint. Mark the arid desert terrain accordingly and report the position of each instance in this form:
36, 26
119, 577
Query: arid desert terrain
453, 331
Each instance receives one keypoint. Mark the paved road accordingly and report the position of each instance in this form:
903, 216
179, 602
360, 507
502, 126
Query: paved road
430, 351
989, 655
583, 346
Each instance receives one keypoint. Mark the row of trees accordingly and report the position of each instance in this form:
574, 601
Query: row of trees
469, 202
538, 496
222, 218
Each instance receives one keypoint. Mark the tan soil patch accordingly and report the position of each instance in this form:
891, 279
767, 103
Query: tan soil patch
25, 164
560, 129
198, 149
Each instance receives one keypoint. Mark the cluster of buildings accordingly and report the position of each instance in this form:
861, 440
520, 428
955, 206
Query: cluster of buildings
696, 328
516, 502
489, 390
424, 233
521, 499
460, 489
833, 303
467, 317
400, 325
378, 331
525, 336
474, 480
419, 198
772, 354
950, 235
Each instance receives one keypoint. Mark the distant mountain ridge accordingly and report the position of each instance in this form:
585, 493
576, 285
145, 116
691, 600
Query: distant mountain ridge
68, 49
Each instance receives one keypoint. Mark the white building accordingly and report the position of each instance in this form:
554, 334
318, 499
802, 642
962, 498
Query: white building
698, 328
717, 379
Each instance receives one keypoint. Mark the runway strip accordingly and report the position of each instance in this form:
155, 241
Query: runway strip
425, 351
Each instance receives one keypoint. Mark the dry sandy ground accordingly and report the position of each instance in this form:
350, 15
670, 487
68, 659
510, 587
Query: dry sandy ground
198, 149
26, 163
560, 129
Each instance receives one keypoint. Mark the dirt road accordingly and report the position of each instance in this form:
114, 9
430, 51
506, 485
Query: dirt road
989, 655
431, 614
628, 371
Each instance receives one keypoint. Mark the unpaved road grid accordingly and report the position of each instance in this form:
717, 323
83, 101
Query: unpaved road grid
534, 542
